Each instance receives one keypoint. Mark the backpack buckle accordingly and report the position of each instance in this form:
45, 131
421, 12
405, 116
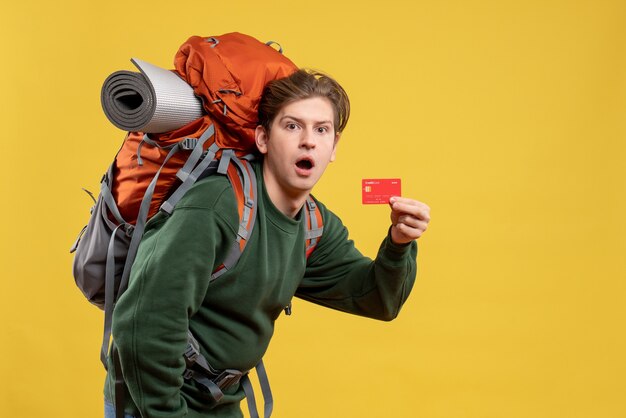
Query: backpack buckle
228, 378
129, 229
188, 144
191, 354
188, 374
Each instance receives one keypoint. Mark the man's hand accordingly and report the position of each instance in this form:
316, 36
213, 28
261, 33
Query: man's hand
409, 219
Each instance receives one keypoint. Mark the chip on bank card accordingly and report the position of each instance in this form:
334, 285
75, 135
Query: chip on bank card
379, 191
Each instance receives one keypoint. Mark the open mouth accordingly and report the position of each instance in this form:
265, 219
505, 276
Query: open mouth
305, 163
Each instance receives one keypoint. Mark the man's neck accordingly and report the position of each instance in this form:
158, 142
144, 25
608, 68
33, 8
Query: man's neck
288, 207
287, 204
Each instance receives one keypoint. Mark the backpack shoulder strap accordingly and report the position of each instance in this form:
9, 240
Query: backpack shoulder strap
242, 177
314, 225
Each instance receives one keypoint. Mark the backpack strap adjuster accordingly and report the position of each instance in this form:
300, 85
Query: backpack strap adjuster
192, 351
314, 225
191, 355
188, 144
242, 232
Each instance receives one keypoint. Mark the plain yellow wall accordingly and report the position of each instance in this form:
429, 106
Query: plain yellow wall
506, 117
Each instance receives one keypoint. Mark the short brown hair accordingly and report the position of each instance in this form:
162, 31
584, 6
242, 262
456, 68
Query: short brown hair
303, 84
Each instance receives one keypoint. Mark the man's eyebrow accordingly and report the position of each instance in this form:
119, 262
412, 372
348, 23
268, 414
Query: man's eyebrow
302, 121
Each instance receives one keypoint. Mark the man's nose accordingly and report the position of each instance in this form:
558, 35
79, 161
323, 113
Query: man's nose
307, 140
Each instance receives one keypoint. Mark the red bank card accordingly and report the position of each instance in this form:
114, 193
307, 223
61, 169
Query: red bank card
378, 191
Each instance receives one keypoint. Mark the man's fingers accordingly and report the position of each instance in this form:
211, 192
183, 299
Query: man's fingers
409, 232
411, 207
412, 222
409, 219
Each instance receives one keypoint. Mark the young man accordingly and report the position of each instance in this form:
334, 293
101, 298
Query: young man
301, 119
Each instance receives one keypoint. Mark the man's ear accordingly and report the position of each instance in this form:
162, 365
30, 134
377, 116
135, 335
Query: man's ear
334, 153
261, 138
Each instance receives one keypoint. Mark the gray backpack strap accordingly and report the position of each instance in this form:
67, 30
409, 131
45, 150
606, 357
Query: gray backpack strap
250, 198
213, 389
110, 297
268, 400
140, 224
190, 178
247, 389
138, 230
314, 230
247, 177
196, 153
137, 233
198, 369
147, 140
227, 154
120, 385
107, 196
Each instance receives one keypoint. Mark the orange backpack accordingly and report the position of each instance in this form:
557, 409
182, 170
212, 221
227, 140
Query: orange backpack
228, 73
151, 172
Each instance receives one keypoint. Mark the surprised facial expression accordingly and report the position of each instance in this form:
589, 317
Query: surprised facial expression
300, 145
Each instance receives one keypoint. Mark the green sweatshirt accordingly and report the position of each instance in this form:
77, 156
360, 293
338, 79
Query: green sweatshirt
233, 318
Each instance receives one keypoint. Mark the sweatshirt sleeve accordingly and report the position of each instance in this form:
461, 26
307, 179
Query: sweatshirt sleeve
168, 283
340, 277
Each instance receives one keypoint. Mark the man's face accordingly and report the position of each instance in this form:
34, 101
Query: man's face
300, 145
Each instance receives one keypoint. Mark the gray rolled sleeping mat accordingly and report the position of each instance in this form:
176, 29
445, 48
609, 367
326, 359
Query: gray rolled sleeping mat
155, 100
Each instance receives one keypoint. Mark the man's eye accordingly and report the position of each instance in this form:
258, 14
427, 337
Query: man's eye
322, 129
291, 126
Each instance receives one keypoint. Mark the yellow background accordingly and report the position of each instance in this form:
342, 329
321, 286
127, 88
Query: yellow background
506, 117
